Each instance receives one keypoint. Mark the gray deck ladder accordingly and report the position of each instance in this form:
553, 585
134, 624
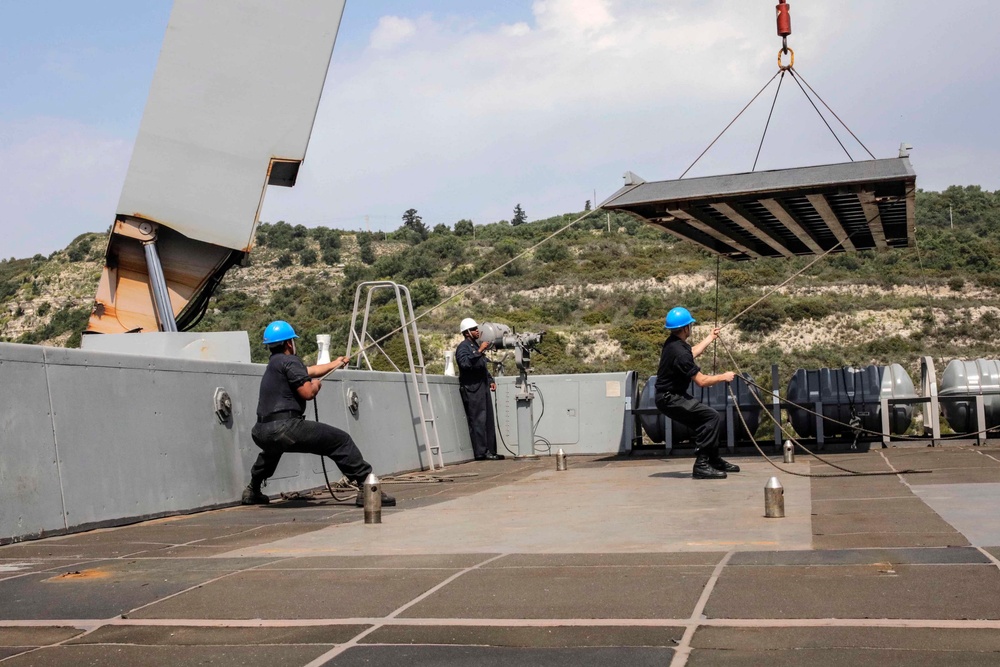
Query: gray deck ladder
417, 369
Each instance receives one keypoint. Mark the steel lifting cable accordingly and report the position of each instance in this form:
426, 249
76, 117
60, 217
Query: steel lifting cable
754, 99
768, 123
798, 75
823, 118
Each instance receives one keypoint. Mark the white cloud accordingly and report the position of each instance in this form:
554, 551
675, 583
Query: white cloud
572, 16
61, 178
473, 119
391, 32
515, 30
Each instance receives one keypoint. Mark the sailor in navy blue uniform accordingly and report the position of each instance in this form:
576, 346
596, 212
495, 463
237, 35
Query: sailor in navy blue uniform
673, 377
281, 426
475, 384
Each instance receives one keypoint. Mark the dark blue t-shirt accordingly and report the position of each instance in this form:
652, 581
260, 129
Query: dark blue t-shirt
285, 373
677, 367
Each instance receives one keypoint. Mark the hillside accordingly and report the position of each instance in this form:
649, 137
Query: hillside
600, 295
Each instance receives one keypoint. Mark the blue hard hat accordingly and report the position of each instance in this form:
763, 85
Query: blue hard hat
678, 318
278, 332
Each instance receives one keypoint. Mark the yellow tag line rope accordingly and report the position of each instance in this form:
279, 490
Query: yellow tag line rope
465, 289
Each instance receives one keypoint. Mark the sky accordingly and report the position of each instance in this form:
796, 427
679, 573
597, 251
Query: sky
466, 108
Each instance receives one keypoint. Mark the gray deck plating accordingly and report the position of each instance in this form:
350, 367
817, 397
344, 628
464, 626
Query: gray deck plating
615, 561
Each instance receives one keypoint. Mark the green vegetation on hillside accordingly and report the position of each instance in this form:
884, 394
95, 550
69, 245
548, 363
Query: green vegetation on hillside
600, 289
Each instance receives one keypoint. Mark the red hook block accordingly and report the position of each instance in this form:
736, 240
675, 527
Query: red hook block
784, 19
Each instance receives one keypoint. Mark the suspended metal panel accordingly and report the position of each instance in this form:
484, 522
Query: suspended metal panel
805, 211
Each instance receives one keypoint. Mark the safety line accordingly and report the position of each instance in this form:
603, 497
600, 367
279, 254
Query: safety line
790, 279
795, 275
847, 471
715, 353
923, 275
465, 289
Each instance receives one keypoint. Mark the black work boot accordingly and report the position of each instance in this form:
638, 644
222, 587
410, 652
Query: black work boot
387, 500
703, 469
720, 463
253, 496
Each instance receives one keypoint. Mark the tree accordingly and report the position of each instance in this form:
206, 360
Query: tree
367, 253
586, 207
414, 222
331, 256
520, 217
464, 228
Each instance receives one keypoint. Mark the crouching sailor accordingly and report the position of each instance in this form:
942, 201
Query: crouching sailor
281, 427
673, 377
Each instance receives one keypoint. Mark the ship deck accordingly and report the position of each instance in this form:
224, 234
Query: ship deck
614, 561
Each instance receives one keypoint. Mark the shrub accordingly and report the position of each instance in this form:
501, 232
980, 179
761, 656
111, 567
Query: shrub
765, 317
424, 293
596, 317
463, 275
551, 251
645, 306
67, 319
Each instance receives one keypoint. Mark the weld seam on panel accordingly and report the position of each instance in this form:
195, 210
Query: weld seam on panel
332, 653
55, 438
683, 650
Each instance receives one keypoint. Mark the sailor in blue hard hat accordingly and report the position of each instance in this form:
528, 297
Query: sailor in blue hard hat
674, 375
281, 427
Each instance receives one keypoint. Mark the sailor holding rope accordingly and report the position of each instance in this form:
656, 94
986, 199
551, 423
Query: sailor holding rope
281, 425
676, 371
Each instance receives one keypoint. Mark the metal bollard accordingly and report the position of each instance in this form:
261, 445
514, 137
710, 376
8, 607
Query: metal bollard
373, 499
560, 460
789, 449
774, 499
